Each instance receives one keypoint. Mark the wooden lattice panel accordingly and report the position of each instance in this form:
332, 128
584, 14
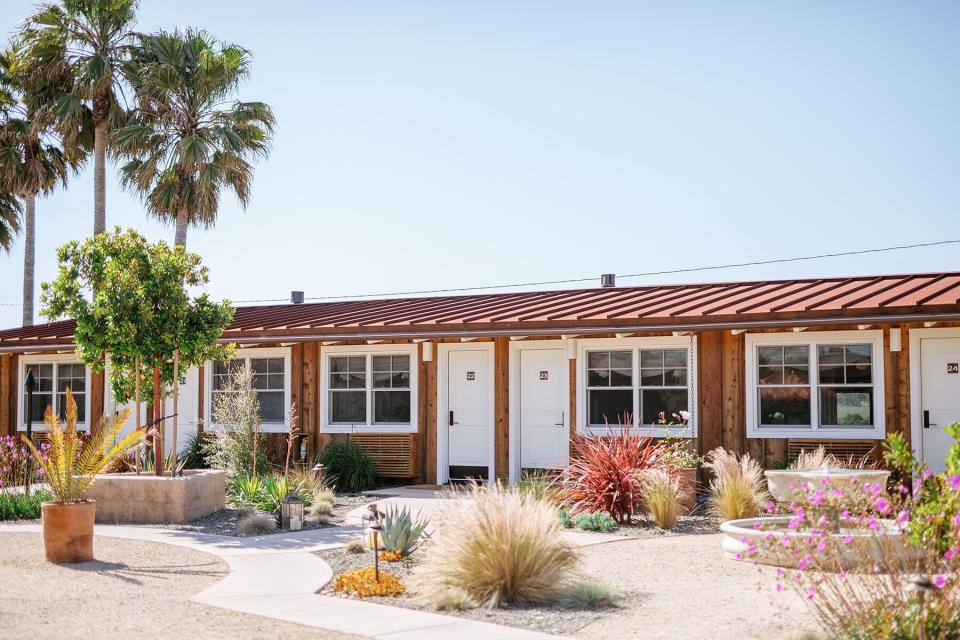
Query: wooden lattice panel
395, 454
843, 449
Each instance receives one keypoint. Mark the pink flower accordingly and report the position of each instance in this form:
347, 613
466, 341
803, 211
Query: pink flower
845, 514
778, 587
883, 507
757, 525
817, 498
805, 562
956, 520
951, 554
954, 482
927, 473
822, 545
903, 517
794, 523
939, 581
847, 539
842, 574
811, 592
770, 506
792, 485
784, 541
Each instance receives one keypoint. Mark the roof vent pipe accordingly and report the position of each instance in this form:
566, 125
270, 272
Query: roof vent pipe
296, 297
608, 280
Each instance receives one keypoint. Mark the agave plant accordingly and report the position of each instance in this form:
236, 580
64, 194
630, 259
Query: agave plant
401, 532
72, 462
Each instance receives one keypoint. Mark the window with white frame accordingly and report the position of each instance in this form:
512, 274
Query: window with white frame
372, 386
647, 380
826, 384
270, 371
52, 379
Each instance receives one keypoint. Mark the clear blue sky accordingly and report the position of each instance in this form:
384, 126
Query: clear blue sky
442, 144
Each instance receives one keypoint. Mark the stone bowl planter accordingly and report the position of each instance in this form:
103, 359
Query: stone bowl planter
779, 481
68, 531
865, 549
127, 497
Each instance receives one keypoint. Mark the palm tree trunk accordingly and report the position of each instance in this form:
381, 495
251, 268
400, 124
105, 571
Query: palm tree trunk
183, 221
29, 258
100, 179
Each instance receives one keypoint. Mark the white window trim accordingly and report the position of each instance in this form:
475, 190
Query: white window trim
368, 350
873, 338
62, 358
257, 352
657, 342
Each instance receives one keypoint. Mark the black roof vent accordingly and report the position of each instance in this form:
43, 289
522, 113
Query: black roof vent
608, 280
296, 297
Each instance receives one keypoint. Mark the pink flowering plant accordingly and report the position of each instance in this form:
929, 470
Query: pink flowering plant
15, 465
856, 553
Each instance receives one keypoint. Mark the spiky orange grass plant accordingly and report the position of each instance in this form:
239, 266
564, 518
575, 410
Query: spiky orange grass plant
72, 461
605, 472
498, 547
362, 583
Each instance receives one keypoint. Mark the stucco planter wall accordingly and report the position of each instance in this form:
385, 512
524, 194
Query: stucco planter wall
127, 497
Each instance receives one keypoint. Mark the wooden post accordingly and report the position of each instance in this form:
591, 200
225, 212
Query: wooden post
176, 393
158, 438
136, 401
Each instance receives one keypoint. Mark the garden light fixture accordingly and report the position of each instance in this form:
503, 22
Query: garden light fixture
375, 529
291, 512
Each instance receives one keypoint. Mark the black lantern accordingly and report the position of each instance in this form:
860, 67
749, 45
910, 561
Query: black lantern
291, 512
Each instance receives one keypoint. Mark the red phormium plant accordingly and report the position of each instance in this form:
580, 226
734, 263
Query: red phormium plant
605, 472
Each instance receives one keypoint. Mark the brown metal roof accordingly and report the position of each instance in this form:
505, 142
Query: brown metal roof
652, 307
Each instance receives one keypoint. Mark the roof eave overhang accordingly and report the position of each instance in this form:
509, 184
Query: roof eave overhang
584, 329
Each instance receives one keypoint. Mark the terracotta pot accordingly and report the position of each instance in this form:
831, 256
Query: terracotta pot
68, 531
688, 480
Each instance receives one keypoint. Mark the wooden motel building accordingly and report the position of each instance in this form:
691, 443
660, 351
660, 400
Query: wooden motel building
441, 388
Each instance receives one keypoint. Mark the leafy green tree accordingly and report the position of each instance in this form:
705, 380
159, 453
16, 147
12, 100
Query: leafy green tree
32, 161
142, 311
89, 41
188, 139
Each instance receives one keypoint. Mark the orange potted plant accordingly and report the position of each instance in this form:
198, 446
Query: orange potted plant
71, 466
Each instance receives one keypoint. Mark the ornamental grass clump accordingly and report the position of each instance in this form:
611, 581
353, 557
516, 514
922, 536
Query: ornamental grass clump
499, 547
663, 496
348, 465
605, 472
738, 489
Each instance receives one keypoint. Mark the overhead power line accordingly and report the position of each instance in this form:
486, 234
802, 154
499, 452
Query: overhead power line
542, 283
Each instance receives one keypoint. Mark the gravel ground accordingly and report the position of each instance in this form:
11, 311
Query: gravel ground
132, 590
669, 586
556, 619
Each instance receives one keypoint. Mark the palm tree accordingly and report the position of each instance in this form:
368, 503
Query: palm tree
9, 218
31, 160
90, 40
188, 138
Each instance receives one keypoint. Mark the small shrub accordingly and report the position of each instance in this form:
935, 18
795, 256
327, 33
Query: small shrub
605, 472
355, 546
257, 523
499, 547
391, 556
663, 495
401, 533
589, 596
350, 468
738, 489
320, 508
194, 456
243, 491
565, 518
595, 521
325, 494
312, 484
19, 506
362, 583
454, 600
237, 446
540, 485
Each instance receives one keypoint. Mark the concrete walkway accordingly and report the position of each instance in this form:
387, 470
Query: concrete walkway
278, 576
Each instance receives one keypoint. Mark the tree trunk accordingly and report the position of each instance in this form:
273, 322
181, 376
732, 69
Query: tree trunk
100, 179
29, 258
158, 458
183, 221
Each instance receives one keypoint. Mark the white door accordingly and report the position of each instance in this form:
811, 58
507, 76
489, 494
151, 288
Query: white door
469, 417
544, 441
188, 405
940, 396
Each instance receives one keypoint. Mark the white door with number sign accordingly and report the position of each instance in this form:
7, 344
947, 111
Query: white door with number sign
940, 396
469, 418
544, 440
